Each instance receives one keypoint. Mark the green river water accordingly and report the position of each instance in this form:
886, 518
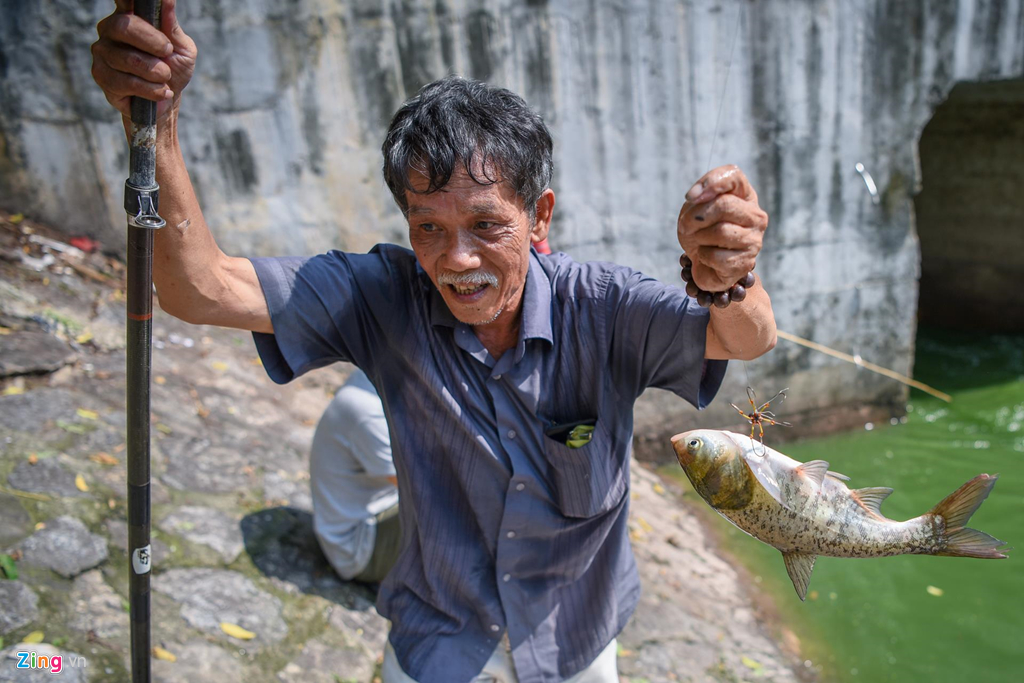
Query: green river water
913, 619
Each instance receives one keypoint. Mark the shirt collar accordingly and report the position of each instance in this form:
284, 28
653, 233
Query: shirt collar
536, 322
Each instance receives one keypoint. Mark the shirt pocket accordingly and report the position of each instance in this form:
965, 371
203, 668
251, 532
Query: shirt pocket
589, 480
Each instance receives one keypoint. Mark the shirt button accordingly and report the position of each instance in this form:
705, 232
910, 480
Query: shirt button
506, 578
495, 628
511, 534
511, 433
520, 487
497, 377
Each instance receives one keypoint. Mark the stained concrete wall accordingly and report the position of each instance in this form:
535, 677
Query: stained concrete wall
282, 126
970, 214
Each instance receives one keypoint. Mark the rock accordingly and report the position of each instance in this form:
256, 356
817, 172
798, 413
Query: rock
197, 465
29, 412
96, 608
73, 666
18, 606
206, 526
322, 663
287, 490
65, 546
209, 597
361, 624
117, 529
46, 476
199, 662
15, 523
31, 352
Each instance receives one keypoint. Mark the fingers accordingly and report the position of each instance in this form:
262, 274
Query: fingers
170, 26
725, 208
133, 62
117, 84
722, 180
124, 6
136, 32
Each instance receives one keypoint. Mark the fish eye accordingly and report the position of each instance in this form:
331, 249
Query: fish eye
693, 443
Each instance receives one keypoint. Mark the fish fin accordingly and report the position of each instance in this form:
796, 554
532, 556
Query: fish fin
973, 543
799, 565
956, 509
814, 470
871, 498
836, 475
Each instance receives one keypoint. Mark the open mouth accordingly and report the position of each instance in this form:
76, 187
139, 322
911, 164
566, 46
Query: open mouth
465, 293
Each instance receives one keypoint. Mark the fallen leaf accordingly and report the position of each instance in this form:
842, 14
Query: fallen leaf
5, 330
84, 338
80, 483
937, 592
72, 427
119, 447
659, 489
13, 390
111, 503
57, 642
40, 525
644, 524
257, 361
33, 458
219, 366
160, 379
34, 637
104, 458
163, 654
750, 663
87, 414
236, 631
162, 428
16, 218
813, 595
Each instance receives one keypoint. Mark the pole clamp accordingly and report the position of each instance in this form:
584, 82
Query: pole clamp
141, 206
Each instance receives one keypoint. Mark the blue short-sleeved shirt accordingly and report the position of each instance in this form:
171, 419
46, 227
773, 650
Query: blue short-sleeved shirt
504, 528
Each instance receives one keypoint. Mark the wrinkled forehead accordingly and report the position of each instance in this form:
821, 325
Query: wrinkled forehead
462, 193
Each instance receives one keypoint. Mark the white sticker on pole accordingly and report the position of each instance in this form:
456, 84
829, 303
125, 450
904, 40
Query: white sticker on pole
141, 560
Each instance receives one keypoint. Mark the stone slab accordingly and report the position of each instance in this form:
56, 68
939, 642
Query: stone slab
322, 663
206, 526
65, 546
46, 476
32, 352
209, 597
199, 662
18, 606
198, 465
97, 609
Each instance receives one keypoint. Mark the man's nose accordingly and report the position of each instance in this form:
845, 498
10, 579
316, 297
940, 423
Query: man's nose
462, 251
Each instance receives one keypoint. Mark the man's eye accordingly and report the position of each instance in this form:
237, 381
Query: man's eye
485, 225
427, 227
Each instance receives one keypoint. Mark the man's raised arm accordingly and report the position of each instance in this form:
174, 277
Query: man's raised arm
194, 279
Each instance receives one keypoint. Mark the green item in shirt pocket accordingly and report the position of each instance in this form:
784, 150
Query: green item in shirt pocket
580, 436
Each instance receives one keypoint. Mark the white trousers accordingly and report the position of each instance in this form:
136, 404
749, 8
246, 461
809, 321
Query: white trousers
500, 668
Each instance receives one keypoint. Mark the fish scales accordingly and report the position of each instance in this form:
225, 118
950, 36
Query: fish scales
804, 510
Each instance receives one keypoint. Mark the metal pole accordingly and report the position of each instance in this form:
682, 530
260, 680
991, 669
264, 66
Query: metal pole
141, 200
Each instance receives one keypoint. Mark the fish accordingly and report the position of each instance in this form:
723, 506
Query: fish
805, 510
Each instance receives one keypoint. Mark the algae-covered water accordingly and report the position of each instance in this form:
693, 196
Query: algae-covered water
912, 618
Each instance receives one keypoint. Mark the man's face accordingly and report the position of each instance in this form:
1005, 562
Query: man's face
473, 241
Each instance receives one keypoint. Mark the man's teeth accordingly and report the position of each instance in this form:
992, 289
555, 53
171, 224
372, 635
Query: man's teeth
468, 289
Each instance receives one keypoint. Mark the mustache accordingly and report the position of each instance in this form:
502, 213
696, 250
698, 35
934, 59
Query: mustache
476, 277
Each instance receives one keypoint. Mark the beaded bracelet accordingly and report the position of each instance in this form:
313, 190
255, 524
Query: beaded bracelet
738, 292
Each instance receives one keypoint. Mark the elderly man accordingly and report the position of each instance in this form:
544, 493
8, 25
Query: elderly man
508, 377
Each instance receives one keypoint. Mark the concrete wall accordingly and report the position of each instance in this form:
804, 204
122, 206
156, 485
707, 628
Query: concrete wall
283, 122
970, 214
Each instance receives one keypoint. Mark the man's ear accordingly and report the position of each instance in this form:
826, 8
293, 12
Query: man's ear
545, 210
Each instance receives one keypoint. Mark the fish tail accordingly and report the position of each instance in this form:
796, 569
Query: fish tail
956, 509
